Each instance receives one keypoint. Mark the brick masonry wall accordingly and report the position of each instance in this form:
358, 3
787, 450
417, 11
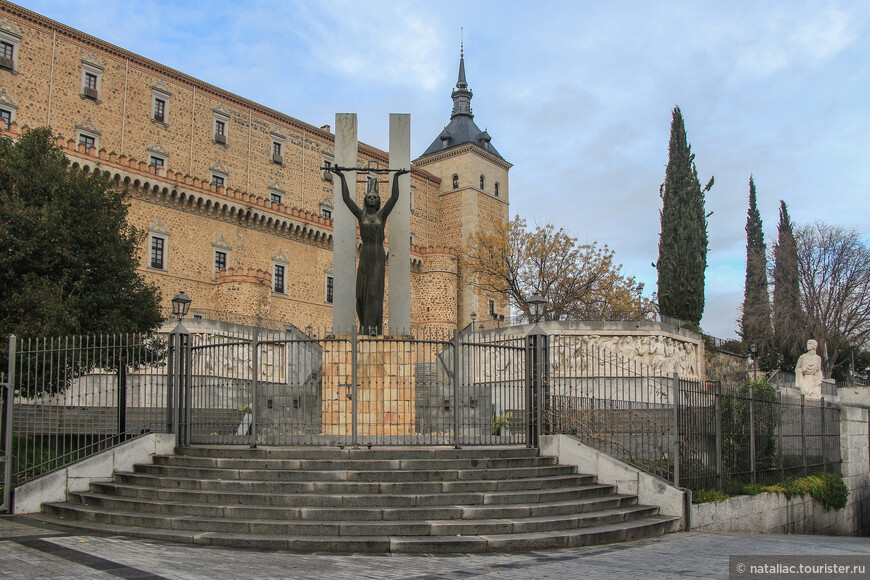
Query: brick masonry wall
178, 199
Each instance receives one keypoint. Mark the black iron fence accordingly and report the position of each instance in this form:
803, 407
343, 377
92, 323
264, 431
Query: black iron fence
290, 387
67, 398
693, 433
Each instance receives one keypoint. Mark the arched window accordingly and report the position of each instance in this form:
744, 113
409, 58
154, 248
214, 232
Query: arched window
455, 181
496, 188
481, 182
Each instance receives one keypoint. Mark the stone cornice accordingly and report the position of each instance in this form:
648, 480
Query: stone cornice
188, 193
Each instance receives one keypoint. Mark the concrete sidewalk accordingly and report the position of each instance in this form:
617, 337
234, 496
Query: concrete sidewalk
31, 550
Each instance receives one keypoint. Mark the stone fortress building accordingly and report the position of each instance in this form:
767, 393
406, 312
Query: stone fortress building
231, 194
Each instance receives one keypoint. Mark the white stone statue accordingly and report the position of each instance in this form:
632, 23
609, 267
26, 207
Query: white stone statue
808, 372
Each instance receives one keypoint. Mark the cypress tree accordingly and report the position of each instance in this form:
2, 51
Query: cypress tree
683, 239
755, 326
789, 321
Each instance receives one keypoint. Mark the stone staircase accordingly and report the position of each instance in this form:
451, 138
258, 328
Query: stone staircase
432, 500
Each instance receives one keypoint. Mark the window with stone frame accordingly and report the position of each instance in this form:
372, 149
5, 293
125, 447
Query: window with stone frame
455, 181
92, 78
482, 182
158, 249
8, 108
220, 125
7, 54
218, 180
160, 101
157, 162
220, 260
278, 279
10, 41
275, 196
160, 110
89, 140
495, 188
278, 147
328, 162
330, 289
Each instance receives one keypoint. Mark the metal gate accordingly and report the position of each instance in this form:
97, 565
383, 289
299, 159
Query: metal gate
321, 388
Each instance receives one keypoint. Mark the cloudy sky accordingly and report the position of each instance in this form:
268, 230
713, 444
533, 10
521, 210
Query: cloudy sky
576, 94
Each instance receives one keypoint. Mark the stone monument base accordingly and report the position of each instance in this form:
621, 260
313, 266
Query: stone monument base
385, 386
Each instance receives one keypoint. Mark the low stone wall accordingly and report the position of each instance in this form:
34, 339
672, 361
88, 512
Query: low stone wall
774, 514
629, 480
52, 487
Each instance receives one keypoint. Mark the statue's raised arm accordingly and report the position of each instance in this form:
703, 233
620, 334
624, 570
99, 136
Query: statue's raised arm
345, 192
394, 194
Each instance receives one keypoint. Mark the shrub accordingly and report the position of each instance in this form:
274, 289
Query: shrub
708, 495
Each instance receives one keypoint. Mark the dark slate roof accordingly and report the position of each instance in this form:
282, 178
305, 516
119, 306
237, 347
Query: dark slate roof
462, 129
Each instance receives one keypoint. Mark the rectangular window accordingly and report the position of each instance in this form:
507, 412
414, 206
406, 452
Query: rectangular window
279, 278
326, 212
217, 180
90, 142
159, 110
220, 260
91, 81
276, 149
5, 118
6, 50
220, 132
157, 162
327, 175
276, 197
492, 307
329, 289
157, 245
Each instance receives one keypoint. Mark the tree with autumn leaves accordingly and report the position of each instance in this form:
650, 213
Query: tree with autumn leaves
579, 281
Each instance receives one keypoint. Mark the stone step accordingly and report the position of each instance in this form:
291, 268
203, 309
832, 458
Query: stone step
353, 464
587, 489
355, 475
350, 500
351, 487
588, 536
196, 507
359, 522
324, 453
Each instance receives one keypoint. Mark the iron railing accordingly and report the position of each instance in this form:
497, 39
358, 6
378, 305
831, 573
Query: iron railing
695, 434
262, 387
78, 395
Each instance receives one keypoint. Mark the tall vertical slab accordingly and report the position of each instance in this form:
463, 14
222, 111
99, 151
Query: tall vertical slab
344, 223
400, 228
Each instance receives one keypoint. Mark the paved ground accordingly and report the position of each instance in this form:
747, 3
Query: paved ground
31, 550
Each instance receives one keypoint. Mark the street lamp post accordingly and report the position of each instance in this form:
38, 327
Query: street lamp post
178, 387
753, 348
537, 303
181, 305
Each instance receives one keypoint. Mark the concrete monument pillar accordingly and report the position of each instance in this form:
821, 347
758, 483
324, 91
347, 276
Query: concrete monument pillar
400, 228
344, 223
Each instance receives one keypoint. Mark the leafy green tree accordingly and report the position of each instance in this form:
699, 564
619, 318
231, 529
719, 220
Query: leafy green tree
789, 320
683, 240
755, 326
68, 257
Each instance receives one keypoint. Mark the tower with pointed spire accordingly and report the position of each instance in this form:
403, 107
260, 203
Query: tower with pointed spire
473, 194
